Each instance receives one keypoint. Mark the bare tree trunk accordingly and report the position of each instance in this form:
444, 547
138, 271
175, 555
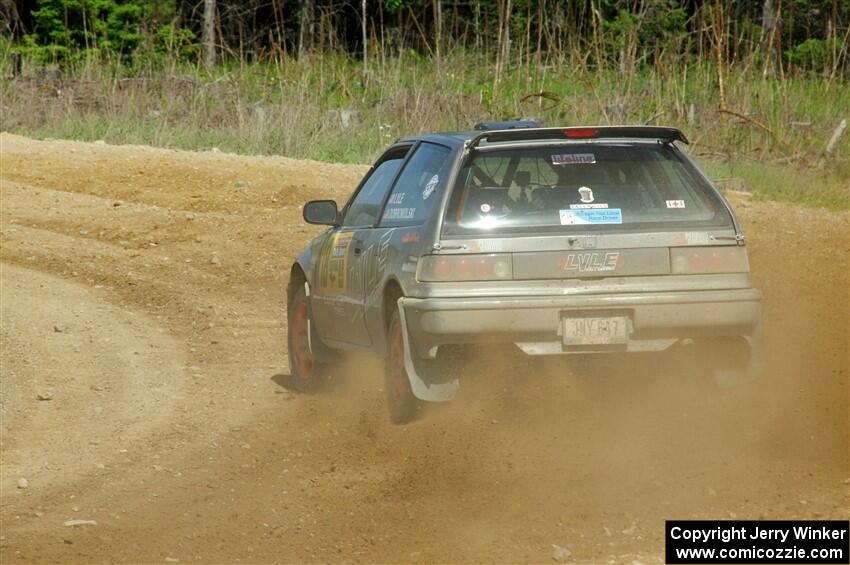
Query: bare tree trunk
10, 19
307, 27
17, 64
476, 26
209, 33
438, 28
506, 38
365, 39
541, 7
719, 26
504, 41
277, 45
769, 23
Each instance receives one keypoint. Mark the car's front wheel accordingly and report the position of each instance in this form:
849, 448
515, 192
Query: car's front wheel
303, 365
400, 399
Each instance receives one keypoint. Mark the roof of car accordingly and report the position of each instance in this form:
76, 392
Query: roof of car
455, 139
451, 139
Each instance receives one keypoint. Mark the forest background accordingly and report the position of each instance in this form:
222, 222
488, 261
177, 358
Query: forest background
760, 87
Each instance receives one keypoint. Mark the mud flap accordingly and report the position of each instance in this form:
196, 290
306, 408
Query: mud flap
441, 392
749, 371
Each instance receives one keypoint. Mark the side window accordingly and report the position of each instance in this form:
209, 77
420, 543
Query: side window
366, 206
416, 190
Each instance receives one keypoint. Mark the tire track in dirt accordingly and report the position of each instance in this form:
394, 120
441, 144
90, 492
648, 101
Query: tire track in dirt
590, 455
107, 377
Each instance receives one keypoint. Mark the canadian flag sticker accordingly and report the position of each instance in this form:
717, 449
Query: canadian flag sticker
675, 203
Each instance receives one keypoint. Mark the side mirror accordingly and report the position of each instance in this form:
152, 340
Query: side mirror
321, 212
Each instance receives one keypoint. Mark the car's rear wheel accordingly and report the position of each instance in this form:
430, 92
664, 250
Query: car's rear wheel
400, 399
730, 361
303, 365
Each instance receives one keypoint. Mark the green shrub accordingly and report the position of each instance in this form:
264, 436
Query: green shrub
63, 27
811, 54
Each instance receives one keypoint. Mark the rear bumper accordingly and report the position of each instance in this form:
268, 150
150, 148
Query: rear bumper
657, 320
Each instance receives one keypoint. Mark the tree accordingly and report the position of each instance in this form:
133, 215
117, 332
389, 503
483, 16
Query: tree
61, 27
306, 30
365, 39
438, 28
209, 33
769, 23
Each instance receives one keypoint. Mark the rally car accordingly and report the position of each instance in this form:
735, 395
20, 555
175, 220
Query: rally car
568, 240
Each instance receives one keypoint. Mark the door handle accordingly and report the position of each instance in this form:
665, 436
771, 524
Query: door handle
358, 246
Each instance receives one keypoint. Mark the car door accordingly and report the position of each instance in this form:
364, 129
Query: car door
338, 294
409, 205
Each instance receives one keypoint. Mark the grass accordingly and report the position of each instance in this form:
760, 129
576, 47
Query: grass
823, 187
325, 108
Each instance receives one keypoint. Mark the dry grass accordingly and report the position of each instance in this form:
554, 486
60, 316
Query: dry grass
324, 108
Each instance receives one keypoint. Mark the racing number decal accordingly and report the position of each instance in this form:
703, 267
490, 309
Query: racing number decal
333, 267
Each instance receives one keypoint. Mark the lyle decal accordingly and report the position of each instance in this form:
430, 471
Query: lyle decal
594, 262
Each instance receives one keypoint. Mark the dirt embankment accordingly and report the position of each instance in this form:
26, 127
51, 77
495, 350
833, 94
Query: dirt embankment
142, 302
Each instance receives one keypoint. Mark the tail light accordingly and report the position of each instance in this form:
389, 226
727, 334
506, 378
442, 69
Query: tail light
705, 260
478, 267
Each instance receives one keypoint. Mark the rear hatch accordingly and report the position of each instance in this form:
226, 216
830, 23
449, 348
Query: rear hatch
584, 210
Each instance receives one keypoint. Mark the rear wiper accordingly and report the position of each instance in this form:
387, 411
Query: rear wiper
737, 237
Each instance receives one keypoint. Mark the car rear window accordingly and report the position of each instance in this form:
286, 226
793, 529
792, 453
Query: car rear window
580, 187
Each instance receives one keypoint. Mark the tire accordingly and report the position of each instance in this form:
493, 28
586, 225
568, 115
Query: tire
730, 362
304, 367
401, 402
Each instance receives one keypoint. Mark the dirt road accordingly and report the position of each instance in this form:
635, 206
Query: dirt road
143, 355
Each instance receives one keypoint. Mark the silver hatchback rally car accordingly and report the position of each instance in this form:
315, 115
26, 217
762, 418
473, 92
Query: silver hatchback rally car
572, 240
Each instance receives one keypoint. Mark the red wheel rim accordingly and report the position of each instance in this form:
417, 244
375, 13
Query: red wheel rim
301, 342
398, 376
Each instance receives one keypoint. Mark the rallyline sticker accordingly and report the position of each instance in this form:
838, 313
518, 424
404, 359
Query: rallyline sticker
593, 216
574, 159
675, 203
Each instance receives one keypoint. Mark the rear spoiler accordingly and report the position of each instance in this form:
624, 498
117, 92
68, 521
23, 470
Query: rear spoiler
664, 134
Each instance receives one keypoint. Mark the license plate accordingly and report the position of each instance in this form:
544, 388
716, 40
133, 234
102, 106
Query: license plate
609, 330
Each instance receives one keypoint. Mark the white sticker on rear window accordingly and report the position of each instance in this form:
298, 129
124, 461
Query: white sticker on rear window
593, 206
585, 194
574, 159
429, 188
595, 216
675, 203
